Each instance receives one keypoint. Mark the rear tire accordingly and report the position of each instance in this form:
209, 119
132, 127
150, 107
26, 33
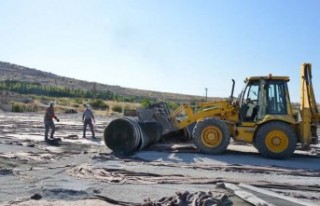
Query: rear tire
276, 140
211, 136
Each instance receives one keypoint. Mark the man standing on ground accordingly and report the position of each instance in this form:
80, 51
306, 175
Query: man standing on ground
48, 121
87, 118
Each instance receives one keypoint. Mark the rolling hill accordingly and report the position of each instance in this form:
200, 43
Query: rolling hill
9, 71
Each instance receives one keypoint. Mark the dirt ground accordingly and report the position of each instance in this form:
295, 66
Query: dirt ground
81, 171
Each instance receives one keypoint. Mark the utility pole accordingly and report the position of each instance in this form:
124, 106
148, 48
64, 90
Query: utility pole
122, 105
95, 91
206, 94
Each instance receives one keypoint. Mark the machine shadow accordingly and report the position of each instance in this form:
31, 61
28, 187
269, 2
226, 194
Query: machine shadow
188, 154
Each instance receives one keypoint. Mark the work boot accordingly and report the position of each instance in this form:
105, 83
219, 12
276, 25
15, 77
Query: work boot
53, 138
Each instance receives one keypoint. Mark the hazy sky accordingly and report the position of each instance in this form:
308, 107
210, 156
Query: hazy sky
177, 46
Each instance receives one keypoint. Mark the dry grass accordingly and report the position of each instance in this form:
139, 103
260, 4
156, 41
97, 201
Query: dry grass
63, 105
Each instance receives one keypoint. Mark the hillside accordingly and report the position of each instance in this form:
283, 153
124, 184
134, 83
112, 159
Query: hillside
9, 71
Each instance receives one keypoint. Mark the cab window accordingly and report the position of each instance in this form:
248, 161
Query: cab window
276, 101
249, 104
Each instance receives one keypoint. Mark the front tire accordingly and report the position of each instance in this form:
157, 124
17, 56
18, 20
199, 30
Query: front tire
276, 140
211, 136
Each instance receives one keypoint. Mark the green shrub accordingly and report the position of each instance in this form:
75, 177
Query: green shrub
99, 104
145, 103
172, 105
117, 108
18, 108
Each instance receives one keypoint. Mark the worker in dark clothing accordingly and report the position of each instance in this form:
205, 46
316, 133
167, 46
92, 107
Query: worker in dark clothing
48, 121
87, 119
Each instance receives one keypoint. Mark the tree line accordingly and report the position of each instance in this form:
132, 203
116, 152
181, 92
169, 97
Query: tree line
34, 88
58, 91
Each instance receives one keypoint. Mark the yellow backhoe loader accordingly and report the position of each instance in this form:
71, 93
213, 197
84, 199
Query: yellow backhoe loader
262, 115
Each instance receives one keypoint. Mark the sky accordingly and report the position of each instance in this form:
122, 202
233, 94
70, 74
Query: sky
180, 46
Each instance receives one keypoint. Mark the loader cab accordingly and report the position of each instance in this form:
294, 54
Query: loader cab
264, 96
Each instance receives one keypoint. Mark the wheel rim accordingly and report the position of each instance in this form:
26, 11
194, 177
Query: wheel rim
211, 136
277, 141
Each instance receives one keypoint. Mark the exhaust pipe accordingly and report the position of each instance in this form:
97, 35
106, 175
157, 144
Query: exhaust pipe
232, 90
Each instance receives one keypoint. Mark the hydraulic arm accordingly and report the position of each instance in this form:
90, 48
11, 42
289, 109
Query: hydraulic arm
308, 108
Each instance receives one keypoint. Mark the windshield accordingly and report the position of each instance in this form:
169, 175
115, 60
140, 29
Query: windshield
249, 93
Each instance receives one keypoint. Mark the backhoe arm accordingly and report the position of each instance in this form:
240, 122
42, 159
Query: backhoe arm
308, 107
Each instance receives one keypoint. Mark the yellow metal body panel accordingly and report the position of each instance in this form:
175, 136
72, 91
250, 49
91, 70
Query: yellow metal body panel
247, 130
245, 133
283, 118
